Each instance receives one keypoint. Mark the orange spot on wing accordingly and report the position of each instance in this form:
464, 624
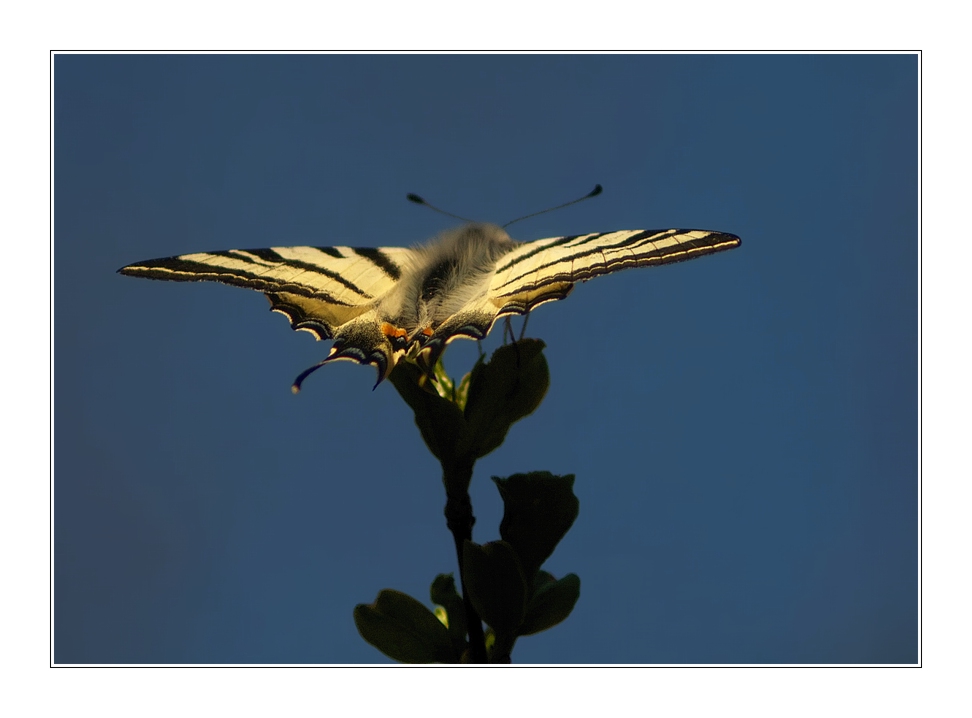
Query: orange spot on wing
390, 330
427, 331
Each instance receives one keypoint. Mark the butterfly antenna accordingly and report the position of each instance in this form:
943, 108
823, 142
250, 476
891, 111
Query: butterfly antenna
419, 200
593, 193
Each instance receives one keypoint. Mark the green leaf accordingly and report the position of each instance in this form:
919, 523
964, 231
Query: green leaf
403, 629
551, 603
503, 390
539, 509
462, 390
496, 584
439, 420
461, 423
541, 579
443, 384
443, 593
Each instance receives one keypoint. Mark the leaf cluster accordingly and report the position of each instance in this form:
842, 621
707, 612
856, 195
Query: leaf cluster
463, 422
502, 581
503, 578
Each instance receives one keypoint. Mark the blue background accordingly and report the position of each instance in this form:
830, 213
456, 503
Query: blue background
743, 428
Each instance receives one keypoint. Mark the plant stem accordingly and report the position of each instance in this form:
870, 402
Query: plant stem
460, 520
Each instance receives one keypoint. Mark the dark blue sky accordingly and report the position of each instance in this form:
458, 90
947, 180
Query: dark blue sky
743, 428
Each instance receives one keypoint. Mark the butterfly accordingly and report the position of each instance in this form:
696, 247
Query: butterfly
380, 305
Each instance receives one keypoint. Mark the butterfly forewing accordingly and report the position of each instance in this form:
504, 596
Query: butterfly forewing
551, 262
337, 275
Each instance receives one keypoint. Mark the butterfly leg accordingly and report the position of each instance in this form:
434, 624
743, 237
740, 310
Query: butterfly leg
526, 318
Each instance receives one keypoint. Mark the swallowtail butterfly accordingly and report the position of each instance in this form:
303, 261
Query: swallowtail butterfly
380, 304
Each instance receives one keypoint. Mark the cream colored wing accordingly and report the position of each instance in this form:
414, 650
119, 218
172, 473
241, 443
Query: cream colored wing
317, 288
544, 270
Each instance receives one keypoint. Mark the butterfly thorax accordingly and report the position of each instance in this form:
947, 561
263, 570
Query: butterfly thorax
443, 277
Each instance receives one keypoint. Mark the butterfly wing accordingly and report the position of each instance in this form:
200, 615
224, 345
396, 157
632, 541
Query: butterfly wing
331, 292
319, 289
545, 271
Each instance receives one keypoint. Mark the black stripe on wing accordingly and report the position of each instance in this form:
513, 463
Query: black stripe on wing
270, 255
380, 260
